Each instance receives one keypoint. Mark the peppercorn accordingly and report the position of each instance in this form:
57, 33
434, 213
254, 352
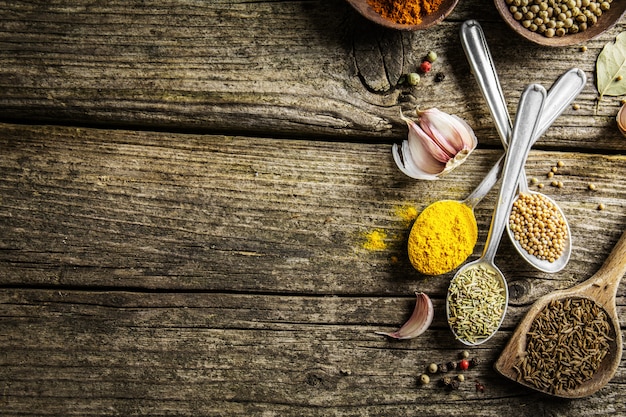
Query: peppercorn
433, 368
413, 78
443, 368
451, 366
445, 381
454, 385
464, 364
465, 354
474, 362
425, 67
424, 379
431, 56
460, 377
479, 387
439, 77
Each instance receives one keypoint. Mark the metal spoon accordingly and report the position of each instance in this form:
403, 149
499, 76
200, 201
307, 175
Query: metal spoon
529, 108
562, 93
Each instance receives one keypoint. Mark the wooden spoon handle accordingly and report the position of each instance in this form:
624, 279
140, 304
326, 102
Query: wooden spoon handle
613, 269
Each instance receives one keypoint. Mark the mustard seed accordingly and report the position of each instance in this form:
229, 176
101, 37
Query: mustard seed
601, 206
560, 164
550, 174
592, 186
538, 226
554, 169
576, 106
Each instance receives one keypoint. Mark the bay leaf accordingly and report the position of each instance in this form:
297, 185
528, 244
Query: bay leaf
611, 68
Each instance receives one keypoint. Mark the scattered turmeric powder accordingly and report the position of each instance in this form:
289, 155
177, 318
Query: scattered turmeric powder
375, 240
406, 213
442, 237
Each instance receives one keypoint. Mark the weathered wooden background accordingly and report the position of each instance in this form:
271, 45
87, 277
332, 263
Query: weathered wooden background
185, 193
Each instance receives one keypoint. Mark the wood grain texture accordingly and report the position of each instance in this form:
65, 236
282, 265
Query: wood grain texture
150, 273
271, 67
186, 188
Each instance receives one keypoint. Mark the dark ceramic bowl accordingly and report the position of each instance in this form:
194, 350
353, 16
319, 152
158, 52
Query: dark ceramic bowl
606, 21
366, 10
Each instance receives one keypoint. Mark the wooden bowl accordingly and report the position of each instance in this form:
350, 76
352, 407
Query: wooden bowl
444, 10
606, 21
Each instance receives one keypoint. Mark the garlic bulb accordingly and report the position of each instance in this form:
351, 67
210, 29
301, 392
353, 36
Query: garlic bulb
621, 119
420, 319
436, 144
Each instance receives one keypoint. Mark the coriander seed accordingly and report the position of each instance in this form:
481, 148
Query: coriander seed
413, 78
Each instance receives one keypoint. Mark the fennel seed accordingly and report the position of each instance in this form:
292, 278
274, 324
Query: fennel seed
476, 302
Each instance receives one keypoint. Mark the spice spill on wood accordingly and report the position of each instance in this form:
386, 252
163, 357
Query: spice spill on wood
565, 345
375, 240
476, 302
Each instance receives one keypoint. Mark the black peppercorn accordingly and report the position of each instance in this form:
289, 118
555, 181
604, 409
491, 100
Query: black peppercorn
439, 77
451, 366
474, 362
454, 385
445, 381
443, 368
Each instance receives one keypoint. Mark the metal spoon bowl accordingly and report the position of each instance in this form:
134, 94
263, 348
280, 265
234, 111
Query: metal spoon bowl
543, 265
529, 110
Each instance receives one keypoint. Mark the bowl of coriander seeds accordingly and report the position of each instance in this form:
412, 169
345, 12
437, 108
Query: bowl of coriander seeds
560, 22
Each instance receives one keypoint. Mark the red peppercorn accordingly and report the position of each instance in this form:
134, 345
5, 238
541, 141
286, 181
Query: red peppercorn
464, 365
425, 66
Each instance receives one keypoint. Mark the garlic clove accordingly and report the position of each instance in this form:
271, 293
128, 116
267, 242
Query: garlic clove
420, 319
621, 119
436, 144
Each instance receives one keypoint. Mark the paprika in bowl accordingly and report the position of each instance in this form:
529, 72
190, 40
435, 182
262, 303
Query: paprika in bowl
405, 15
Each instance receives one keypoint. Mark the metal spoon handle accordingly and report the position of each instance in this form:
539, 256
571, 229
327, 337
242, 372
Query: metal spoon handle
561, 94
526, 123
481, 63
564, 90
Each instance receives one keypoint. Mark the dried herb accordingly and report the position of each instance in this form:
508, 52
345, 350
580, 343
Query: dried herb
476, 301
565, 345
611, 68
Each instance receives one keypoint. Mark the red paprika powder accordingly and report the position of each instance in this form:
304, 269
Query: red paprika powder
405, 12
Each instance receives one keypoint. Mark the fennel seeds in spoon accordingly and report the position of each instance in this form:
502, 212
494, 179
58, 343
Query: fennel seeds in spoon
476, 300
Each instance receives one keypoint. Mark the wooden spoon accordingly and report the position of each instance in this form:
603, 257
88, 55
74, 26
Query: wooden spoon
600, 288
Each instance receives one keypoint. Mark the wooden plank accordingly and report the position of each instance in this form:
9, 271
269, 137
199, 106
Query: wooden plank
125, 209
122, 353
311, 68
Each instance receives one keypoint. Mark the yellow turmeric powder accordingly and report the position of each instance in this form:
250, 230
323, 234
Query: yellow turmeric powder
442, 237
375, 240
